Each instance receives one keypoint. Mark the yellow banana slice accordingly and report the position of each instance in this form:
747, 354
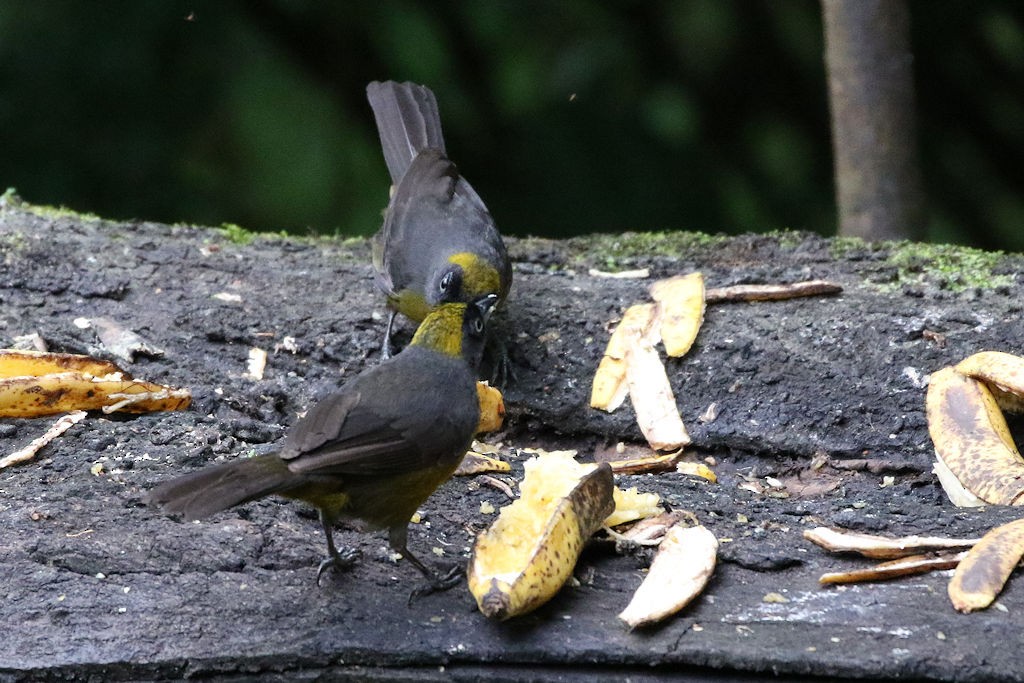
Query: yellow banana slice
681, 299
681, 568
492, 408
971, 438
631, 505
525, 557
980, 576
609, 388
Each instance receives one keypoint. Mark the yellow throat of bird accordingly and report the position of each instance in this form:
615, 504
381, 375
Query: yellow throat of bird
441, 330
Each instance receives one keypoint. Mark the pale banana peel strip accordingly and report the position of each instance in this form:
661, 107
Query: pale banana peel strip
609, 388
653, 400
681, 568
882, 547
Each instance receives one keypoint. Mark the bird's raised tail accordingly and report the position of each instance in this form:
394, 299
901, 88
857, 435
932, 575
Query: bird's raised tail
217, 488
408, 122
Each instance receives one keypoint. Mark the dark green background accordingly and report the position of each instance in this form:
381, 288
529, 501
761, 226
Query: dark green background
568, 117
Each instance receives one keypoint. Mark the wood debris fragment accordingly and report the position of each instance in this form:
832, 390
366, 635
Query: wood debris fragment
736, 293
882, 547
646, 465
25, 454
638, 274
892, 569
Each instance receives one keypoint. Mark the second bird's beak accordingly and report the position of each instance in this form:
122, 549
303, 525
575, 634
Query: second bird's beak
486, 304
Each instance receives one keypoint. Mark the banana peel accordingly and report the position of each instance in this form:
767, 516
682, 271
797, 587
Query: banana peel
681, 300
1004, 371
653, 401
609, 388
972, 439
492, 408
529, 552
681, 568
20, 363
882, 547
34, 384
980, 576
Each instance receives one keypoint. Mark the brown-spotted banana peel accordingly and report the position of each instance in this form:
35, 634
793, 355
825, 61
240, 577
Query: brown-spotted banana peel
18, 363
681, 568
34, 384
1003, 373
981, 575
971, 438
525, 557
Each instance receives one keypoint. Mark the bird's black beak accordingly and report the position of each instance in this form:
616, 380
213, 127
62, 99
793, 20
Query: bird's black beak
486, 304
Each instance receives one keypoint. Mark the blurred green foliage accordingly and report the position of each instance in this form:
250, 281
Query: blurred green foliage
568, 117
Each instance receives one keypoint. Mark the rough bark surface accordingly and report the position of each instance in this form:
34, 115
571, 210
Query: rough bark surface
98, 587
871, 96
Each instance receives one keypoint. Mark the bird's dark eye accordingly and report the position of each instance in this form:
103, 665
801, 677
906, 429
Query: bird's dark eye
446, 282
478, 325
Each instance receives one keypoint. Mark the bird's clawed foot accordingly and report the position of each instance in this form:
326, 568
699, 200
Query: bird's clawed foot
439, 583
338, 561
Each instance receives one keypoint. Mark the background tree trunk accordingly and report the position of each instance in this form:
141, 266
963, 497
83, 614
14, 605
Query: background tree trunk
871, 95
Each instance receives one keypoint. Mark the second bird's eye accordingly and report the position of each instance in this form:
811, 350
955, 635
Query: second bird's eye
446, 282
478, 325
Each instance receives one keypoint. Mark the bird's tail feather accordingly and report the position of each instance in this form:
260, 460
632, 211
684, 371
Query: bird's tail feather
217, 488
408, 122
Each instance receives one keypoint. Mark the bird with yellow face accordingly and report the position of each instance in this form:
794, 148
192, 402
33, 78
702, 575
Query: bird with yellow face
438, 242
373, 450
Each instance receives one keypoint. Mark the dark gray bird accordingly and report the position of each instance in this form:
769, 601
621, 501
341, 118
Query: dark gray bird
438, 242
372, 451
